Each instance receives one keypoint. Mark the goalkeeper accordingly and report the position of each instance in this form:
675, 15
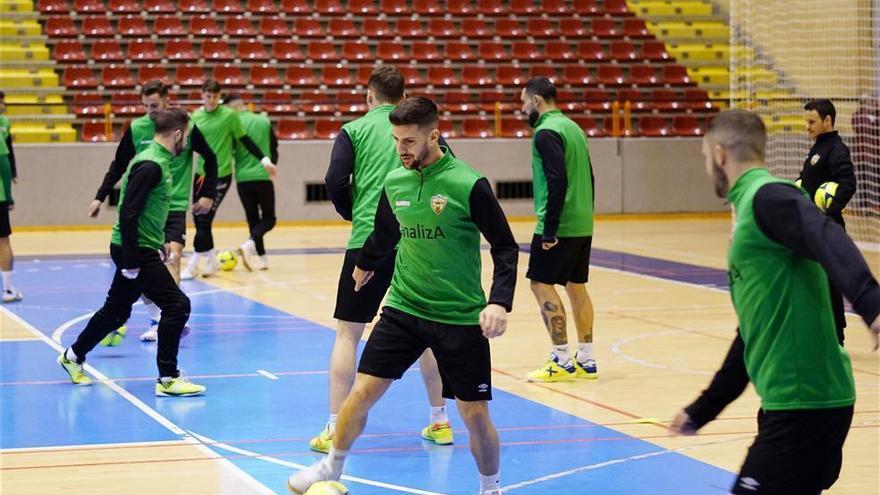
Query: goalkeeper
828, 161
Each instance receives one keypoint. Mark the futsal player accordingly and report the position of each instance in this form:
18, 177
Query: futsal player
138, 248
433, 210
782, 246
7, 176
560, 251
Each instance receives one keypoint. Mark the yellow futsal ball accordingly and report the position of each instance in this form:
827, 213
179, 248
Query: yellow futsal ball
227, 260
327, 488
825, 195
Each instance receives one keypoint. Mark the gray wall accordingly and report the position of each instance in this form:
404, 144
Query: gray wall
57, 182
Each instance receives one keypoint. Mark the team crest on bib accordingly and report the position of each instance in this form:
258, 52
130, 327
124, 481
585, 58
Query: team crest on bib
438, 203
815, 159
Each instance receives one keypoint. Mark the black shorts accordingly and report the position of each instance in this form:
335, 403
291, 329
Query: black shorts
175, 227
568, 261
462, 353
5, 226
795, 452
362, 306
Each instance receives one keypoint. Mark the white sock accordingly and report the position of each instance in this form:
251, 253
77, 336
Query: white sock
7, 280
488, 483
335, 459
69, 355
561, 353
211, 255
585, 352
153, 310
331, 424
193, 262
438, 415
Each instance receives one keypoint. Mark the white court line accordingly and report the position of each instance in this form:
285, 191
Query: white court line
615, 347
152, 413
294, 465
267, 374
19, 339
91, 446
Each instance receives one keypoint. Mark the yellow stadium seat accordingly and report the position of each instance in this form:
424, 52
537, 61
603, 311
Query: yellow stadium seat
700, 52
23, 27
23, 78
23, 52
16, 6
43, 133
671, 9
712, 76
708, 30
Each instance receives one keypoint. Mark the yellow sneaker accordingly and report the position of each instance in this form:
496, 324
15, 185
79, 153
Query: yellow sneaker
550, 372
115, 337
439, 433
322, 442
587, 371
178, 387
75, 370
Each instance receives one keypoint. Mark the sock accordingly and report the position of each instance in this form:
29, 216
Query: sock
438, 415
7, 280
70, 356
561, 353
335, 460
211, 255
153, 310
193, 262
488, 483
585, 352
331, 424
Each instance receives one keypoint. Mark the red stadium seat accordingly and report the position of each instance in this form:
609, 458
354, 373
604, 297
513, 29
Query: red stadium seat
568, 101
262, 7
356, 50
573, 28
458, 102
559, 51
124, 6
459, 52
525, 51
547, 71
676, 74
655, 51
278, 102
586, 7
447, 129
589, 126
309, 28
394, 7
460, 7
442, 28
93, 131
665, 100
327, 129
117, 76
89, 6
653, 126
287, 51
488, 100
477, 128
143, 50
61, 27
376, 28
329, 7
493, 7
265, 75
509, 75
636, 99
169, 26
577, 75
342, 28
96, 27
205, 26
491, 51
88, 104
590, 51
296, 7
541, 28
597, 100
524, 7
153, 72
293, 129
514, 128
686, 125
241, 27
274, 27
509, 28
228, 7
194, 6
134, 26
321, 50
107, 51
300, 76
229, 75
605, 28
423, 51
351, 102
79, 77
475, 28
476, 76
362, 7
216, 49
190, 75
428, 7
70, 51
555, 7
180, 50
251, 50
442, 76
53, 6
617, 8
126, 104
643, 75
390, 50
697, 100
160, 6
635, 29
622, 51
336, 76
610, 75
411, 76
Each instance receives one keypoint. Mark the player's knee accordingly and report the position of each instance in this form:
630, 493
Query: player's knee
475, 414
177, 309
270, 222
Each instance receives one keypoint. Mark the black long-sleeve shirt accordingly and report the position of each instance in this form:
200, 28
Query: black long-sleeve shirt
125, 151
142, 179
832, 164
14, 171
552, 150
273, 146
489, 218
337, 180
785, 216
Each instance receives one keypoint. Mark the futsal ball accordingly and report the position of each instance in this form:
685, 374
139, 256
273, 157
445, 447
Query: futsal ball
825, 195
227, 260
327, 488
114, 338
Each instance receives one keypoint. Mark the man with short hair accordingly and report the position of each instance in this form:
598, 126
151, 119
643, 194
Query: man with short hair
828, 161
780, 251
138, 249
253, 181
8, 175
433, 210
363, 155
560, 252
139, 135
223, 131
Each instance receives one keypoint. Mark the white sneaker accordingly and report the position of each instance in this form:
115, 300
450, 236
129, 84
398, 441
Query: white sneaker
152, 334
189, 272
11, 295
300, 481
264, 262
248, 254
211, 267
